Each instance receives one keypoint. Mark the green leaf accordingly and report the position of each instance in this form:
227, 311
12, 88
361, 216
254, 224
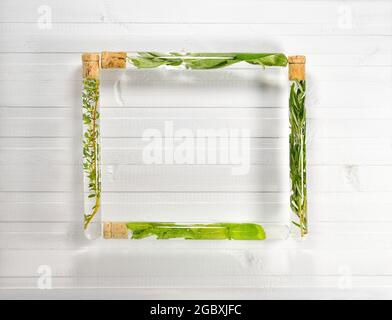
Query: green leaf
147, 62
208, 63
218, 231
206, 60
277, 60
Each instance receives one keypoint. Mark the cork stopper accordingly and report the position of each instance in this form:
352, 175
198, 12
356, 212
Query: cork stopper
115, 230
114, 60
90, 66
107, 230
297, 67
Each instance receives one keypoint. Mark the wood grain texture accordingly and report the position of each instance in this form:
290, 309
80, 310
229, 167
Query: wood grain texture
349, 71
219, 11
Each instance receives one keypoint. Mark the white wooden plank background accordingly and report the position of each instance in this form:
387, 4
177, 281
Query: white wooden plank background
349, 49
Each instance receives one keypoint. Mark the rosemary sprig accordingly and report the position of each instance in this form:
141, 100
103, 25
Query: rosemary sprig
205, 60
91, 148
298, 198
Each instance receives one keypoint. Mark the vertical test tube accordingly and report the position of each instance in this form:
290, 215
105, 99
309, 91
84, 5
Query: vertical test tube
91, 145
297, 141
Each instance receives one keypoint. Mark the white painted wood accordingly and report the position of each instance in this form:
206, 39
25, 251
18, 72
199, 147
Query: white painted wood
222, 31
320, 288
348, 178
267, 291
193, 263
348, 254
126, 94
323, 206
184, 39
128, 122
218, 12
321, 151
289, 44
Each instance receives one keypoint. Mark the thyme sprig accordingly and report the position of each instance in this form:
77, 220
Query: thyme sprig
205, 60
91, 147
297, 118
